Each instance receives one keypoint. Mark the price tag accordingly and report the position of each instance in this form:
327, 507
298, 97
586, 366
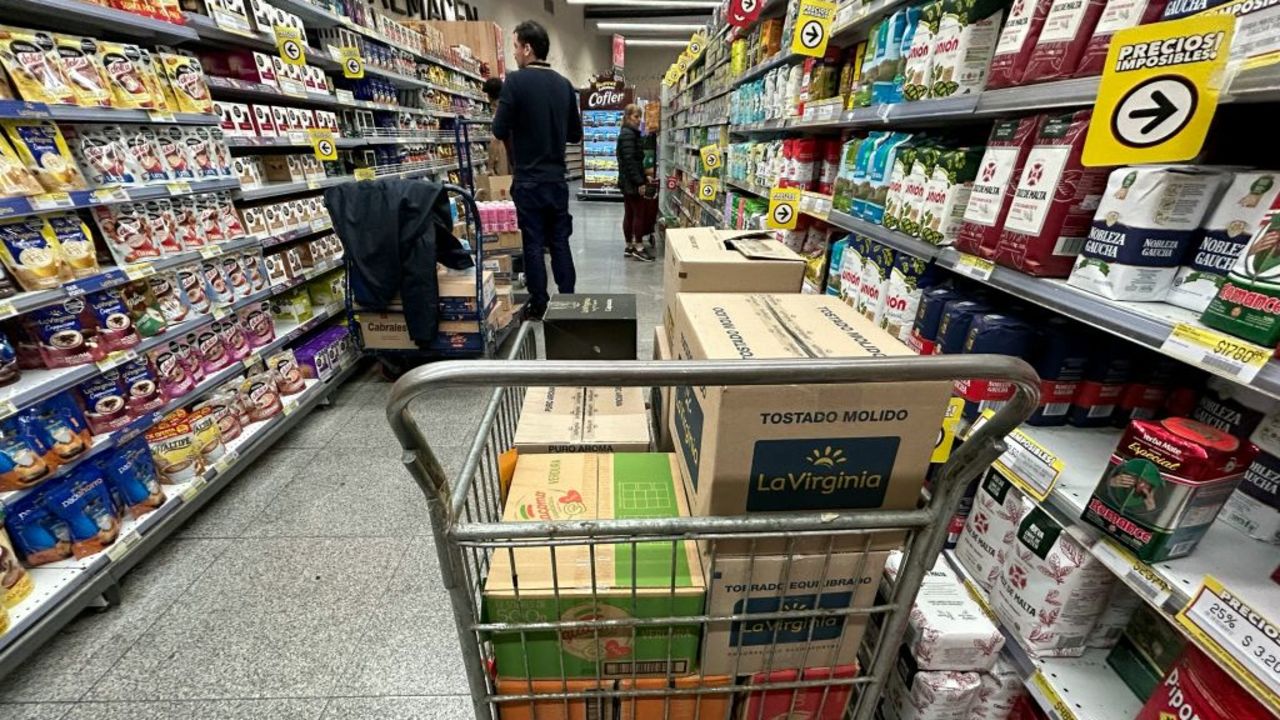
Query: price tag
210, 251
116, 359
1216, 352
298, 137
51, 201
1136, 574
107, 195
365, 173
782, 208
7, 408
178, 188
226, 461
290, 45
1049, 699
219, 312
161, 116
975, 267
194, 488
7, 309
324, 144
318, 225
290, 407
1027, 463
352, 63
1237, 635
121, 546
313, 184
137, 271
344, 96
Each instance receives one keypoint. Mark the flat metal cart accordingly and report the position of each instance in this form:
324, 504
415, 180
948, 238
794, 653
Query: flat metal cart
471, 540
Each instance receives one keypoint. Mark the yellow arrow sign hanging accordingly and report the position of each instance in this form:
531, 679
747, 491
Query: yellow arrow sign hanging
352, 63
290, 45
710, 156
782, 208
812, 29
324, 144
707, 187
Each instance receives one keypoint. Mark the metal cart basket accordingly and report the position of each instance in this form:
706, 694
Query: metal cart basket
466, 514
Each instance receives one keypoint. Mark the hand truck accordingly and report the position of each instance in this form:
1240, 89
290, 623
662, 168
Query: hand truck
466, 514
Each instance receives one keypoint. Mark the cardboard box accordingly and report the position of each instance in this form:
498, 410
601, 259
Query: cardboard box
836, 581
575, 420
494, 187
589, 709
500, 266
590, 327
458, 294
662, 395
502, 241
587, 487
390, 331
679, 707
789, 447
709, 260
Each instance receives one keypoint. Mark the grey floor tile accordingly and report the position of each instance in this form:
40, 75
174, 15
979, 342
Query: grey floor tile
440, 707
85, 650
284, 709
343, 493
320, 425
270, 618
34, 711
251, 492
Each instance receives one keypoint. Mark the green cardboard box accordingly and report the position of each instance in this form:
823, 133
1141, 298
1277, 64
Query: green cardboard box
586, 486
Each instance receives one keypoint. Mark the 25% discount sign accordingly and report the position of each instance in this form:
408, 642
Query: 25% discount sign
1238, 635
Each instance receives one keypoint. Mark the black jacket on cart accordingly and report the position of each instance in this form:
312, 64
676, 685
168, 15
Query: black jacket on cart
393, 233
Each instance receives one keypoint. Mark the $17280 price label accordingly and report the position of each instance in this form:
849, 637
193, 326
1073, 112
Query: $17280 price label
1216, 352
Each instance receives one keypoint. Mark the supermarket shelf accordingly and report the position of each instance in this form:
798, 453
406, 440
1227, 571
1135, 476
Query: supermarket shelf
210, 32
1147, 324
850, 20
65, 589
292, 235
236, 89
1083, 688
1238, 562
20, 109
778, 60
80, 199
88, 18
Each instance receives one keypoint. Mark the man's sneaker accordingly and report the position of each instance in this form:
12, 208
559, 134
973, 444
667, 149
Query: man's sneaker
639, 253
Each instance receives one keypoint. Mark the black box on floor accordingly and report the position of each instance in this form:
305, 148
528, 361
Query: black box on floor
590, 327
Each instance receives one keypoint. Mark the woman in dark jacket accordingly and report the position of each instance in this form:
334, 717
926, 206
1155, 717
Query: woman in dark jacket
633, 183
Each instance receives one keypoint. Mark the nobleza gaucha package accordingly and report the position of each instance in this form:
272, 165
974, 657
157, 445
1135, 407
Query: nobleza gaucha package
667, 580
788, 447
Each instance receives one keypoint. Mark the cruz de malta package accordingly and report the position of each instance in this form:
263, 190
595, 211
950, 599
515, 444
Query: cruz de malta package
788, 447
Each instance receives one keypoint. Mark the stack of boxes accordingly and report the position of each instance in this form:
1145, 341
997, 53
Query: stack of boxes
466, 311
732, 451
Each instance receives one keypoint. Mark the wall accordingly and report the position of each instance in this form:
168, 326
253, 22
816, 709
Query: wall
645, 67
575, 52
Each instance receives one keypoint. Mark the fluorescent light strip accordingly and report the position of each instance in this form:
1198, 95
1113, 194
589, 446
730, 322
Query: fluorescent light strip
622, 27
631, 42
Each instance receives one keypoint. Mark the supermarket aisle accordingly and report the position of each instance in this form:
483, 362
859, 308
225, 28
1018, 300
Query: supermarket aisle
309, 588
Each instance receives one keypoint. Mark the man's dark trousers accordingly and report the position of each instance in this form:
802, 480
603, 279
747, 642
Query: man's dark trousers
542, 209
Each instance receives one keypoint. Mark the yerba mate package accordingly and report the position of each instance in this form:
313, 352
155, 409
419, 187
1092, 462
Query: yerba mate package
1017, 40
998, 174
1116, 15
1054, 200
1248, 302
795, 447
1063, 38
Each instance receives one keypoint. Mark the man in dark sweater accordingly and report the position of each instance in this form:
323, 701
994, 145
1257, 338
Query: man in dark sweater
538, 114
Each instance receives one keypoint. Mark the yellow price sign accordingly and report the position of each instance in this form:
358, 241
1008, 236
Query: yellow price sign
707, 188
1159, 91
783, 204
1216, 352
365, 173
812, 29
290, 45
710, 156
696, 45
352, 63
324, 144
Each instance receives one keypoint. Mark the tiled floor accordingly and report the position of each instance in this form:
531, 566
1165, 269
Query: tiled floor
310, 587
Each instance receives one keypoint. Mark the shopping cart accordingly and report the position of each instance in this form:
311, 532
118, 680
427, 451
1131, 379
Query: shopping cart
466, 511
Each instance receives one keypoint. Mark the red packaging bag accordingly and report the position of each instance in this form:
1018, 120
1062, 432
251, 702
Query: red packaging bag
1063, 38
1053, 203
998, 173
818, 703
1196, 688
1017, 41
1116, 15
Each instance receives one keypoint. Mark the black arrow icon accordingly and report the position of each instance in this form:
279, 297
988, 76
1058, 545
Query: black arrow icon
812, 35
1163, 110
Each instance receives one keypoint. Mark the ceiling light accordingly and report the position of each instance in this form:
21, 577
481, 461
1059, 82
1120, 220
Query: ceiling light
633, 42
708, 4
624, 27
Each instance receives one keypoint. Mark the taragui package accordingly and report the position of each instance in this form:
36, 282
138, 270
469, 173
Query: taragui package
1248, 302
1195, 687
992, 190
1063, 38
1165, 484
1222, 238
1107, 370
1144, 223
1050, 589
1053, 203
1017, 40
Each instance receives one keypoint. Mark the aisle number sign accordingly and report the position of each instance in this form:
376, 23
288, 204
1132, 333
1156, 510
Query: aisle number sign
324, 144
1238, 636
352, 63
290, 46
1159, 91
710, 156
783, 208
707, 187
812, 29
